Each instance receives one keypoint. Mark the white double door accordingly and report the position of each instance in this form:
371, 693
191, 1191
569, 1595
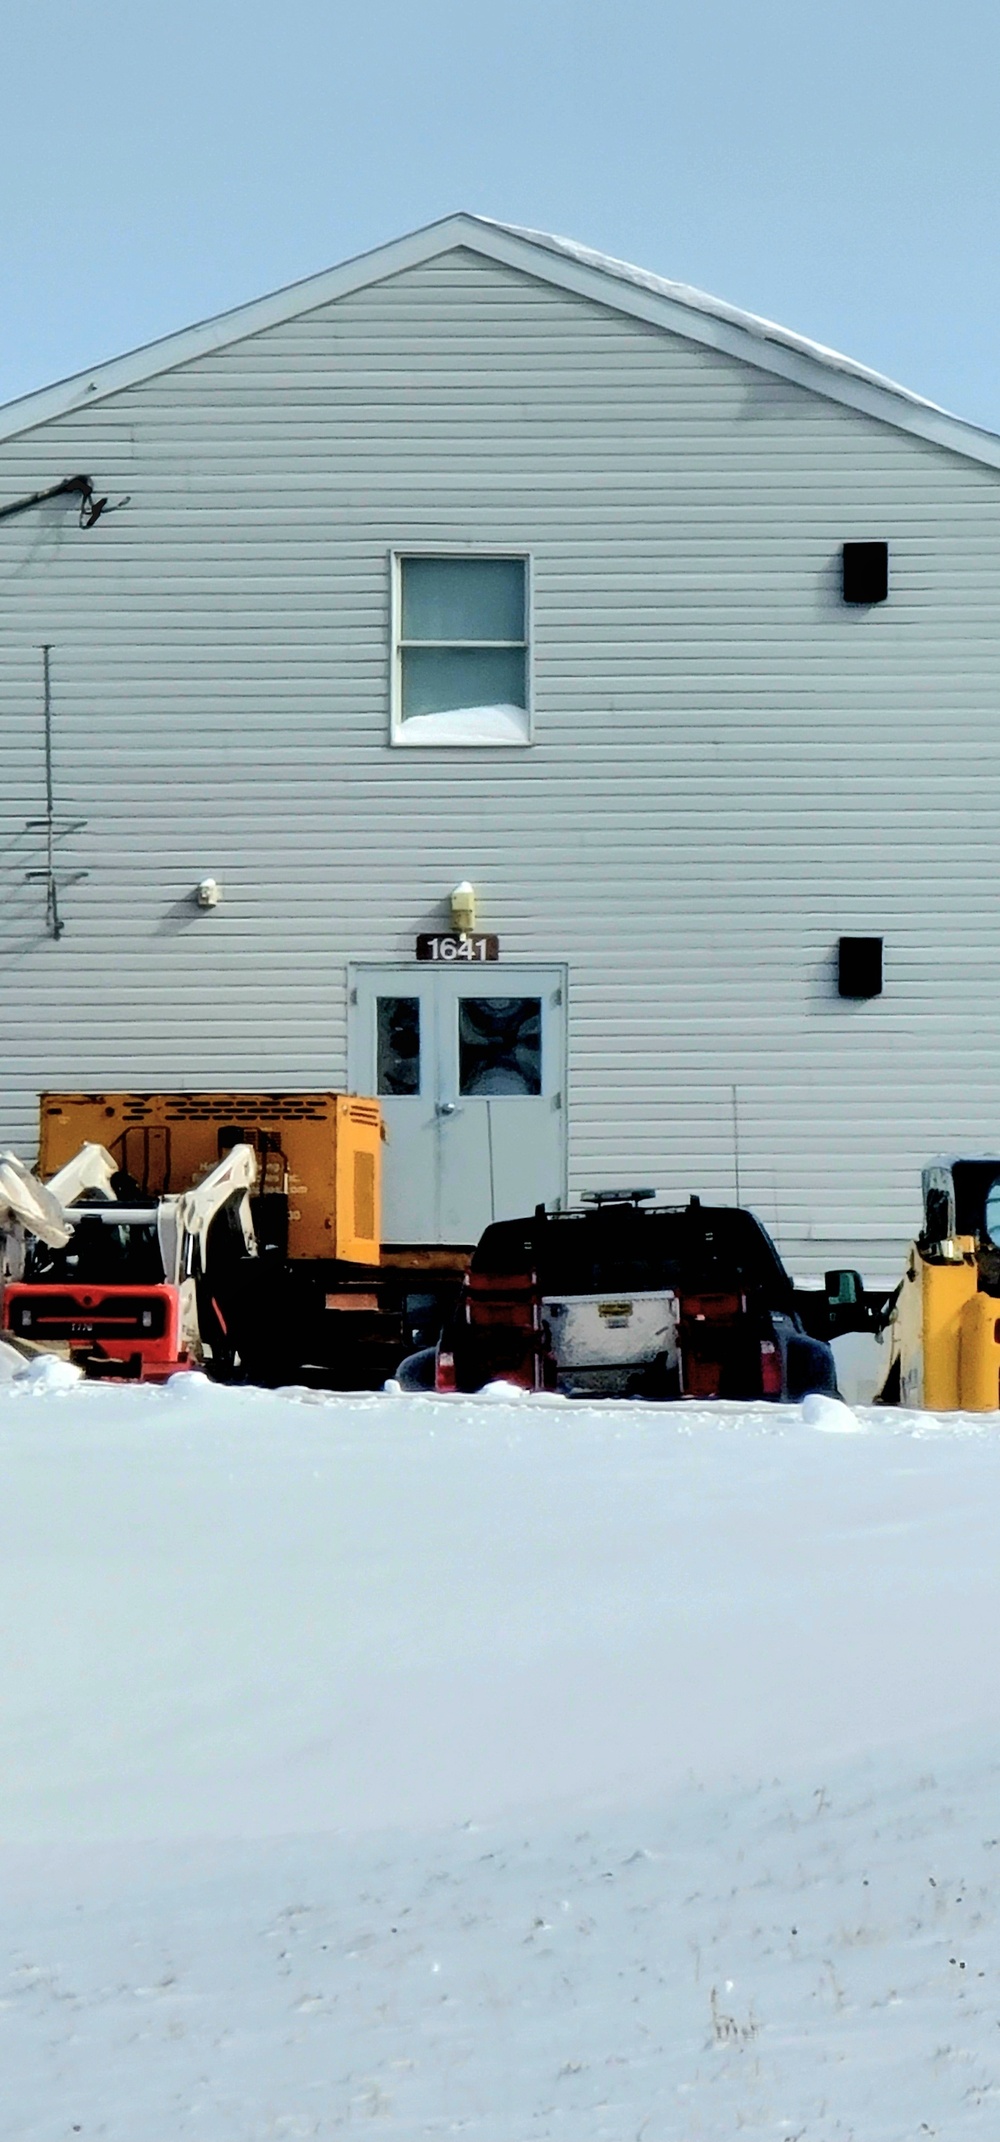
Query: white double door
469, 1067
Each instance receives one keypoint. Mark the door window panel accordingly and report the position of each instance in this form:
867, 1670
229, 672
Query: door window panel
398, 1030
499, 1046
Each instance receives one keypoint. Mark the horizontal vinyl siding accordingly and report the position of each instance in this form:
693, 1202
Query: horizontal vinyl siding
730, 768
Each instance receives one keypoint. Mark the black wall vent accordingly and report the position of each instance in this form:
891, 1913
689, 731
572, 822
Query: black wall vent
866, 572
859, 967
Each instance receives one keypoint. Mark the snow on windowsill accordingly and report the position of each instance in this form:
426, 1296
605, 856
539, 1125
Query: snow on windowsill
466, 725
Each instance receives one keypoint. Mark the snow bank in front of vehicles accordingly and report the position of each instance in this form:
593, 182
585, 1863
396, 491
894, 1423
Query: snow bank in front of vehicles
830, 1414
237, 1405
524, 1764
374, 1608
817, 1410
46, 1376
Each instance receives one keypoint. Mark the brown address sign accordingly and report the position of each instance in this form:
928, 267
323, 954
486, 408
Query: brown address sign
465, 948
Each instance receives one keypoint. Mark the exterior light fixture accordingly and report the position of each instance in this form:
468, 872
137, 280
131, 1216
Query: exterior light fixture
208, 892
463, 907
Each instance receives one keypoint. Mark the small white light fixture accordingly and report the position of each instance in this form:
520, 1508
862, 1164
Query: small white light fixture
463, 907
208, 892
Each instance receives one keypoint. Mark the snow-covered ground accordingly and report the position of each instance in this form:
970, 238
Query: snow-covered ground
428, 1767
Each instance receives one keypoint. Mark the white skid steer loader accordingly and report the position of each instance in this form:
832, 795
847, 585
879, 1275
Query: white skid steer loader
122, 1288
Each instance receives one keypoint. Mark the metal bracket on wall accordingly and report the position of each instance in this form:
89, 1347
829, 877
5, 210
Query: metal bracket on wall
52, 825
81, 487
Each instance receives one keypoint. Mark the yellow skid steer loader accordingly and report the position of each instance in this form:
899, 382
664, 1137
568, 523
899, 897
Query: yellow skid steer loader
944, 1320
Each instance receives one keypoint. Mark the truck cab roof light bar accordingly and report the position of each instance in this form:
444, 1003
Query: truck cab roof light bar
616, 1197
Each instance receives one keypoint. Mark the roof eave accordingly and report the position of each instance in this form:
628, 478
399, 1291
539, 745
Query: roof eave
83, 389
802, 368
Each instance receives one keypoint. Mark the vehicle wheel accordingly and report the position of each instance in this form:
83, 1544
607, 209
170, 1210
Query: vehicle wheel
658, 1381
891, 1392
810, 1367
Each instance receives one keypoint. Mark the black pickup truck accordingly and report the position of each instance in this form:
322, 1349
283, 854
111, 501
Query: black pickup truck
624, 1298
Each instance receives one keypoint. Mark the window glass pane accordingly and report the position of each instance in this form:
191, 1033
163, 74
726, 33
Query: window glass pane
398, 1044
499, 1045
463, 598
436, 680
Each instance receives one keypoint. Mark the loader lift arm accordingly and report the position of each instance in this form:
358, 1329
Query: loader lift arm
183, 1221
31, 1207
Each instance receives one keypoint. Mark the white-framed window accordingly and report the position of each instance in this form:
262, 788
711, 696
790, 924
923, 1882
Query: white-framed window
461, 652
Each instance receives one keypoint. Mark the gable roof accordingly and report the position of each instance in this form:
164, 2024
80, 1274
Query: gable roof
675, 307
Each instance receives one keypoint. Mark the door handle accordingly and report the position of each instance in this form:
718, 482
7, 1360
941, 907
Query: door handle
447, 1108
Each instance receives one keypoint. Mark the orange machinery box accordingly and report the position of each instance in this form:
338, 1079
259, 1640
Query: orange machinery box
322, 1150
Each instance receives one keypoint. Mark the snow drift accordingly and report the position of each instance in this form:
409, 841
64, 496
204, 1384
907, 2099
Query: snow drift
506, 1769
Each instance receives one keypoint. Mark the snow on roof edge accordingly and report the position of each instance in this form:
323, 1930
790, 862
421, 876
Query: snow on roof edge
695, 300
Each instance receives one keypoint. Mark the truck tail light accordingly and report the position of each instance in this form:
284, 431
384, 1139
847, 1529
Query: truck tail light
444, 1371
770, 1369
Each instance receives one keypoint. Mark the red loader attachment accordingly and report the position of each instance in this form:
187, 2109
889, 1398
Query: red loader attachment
109, 1330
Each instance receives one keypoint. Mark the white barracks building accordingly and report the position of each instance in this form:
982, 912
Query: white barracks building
668, 639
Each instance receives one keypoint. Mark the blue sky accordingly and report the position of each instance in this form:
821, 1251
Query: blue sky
834, 166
